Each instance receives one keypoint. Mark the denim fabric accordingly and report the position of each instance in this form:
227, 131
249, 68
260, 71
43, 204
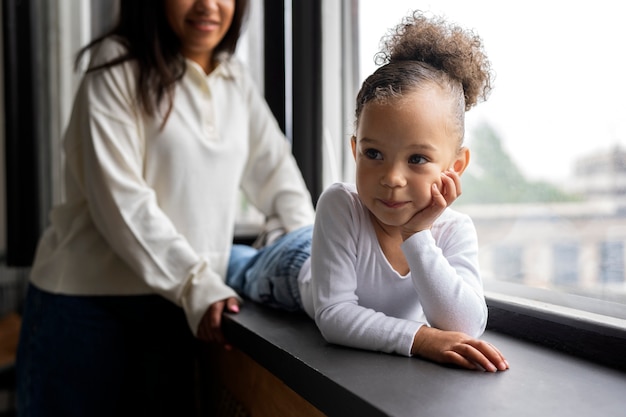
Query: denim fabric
104, 356
270, 275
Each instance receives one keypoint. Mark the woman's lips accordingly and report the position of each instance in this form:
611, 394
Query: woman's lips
204, 25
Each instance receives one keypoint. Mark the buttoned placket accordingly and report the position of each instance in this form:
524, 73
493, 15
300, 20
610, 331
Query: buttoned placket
208, 115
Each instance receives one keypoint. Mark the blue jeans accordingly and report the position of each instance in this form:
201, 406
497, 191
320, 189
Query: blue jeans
270, 275
104, 356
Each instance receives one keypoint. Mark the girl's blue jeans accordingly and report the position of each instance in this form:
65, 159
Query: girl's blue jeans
270, 275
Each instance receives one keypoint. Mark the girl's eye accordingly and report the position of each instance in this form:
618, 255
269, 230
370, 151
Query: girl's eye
372, 154
417, 159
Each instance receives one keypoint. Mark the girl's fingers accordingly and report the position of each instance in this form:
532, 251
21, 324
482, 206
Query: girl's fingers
491, 353
439, 200
457, 182
451, 186
474, 355
484, 354
457, 359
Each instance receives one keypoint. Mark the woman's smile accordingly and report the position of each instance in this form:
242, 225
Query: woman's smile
204, 25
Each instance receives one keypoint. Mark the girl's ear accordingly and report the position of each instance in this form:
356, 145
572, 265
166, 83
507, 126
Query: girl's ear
353, 144
461, 161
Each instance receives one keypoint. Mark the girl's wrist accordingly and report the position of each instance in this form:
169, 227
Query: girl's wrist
418, 340
406, 235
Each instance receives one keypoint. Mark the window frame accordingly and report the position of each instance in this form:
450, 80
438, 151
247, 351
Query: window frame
590, 336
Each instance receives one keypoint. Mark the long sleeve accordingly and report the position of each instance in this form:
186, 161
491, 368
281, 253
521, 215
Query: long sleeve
446, 276
338, 248
272, 180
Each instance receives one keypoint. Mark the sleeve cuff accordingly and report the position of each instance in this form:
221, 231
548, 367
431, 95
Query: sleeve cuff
203, 288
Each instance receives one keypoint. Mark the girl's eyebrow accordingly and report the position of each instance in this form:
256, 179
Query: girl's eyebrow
424, 146
367, 140
417, 146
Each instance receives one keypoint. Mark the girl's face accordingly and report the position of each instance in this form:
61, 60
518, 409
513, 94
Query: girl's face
401, 148
200, 25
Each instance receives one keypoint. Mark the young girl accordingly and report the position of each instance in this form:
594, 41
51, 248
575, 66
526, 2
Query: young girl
392, 267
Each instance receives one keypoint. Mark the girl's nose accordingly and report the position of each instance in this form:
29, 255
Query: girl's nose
393, 177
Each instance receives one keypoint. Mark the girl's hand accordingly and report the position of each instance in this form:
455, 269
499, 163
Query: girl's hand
441, 198
210, 328
457, 349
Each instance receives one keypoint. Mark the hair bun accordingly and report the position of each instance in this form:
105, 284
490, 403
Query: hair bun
444, 46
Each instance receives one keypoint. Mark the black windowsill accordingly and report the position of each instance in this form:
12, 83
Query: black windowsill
341, 381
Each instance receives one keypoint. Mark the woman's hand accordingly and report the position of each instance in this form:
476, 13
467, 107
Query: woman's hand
457, 348
441, 198
210, 328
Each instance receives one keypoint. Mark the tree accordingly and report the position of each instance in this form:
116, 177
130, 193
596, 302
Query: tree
495, 178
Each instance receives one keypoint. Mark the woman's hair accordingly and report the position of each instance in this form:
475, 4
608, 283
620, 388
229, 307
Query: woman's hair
423, 51
142, 27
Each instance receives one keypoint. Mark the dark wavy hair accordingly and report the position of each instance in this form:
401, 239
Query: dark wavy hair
143, 28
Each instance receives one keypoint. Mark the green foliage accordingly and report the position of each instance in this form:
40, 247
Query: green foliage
495, 178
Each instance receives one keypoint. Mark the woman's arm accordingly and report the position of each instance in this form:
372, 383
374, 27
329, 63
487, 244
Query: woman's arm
272, 180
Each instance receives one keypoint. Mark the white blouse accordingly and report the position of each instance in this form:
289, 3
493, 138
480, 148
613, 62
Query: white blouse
151, 210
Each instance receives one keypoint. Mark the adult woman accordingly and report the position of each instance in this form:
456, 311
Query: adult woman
165, 131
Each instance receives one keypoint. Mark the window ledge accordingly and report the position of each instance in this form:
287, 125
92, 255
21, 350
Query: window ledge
591, 336
342, 381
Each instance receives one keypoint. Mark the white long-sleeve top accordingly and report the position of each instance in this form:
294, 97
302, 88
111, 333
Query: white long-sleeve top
359, 300
153, 211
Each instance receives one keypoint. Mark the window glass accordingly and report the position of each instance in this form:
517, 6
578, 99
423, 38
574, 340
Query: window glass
565, 265
611, 262
547, 183
507, 262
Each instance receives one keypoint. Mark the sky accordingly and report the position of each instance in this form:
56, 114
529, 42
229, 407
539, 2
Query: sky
559, 92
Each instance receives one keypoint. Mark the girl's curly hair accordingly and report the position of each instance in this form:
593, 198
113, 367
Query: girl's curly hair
422, 50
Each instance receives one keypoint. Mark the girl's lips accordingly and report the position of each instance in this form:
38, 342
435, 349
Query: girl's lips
393, 204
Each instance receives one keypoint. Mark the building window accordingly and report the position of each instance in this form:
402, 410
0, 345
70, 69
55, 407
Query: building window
507, 263
611, 262
565, 265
